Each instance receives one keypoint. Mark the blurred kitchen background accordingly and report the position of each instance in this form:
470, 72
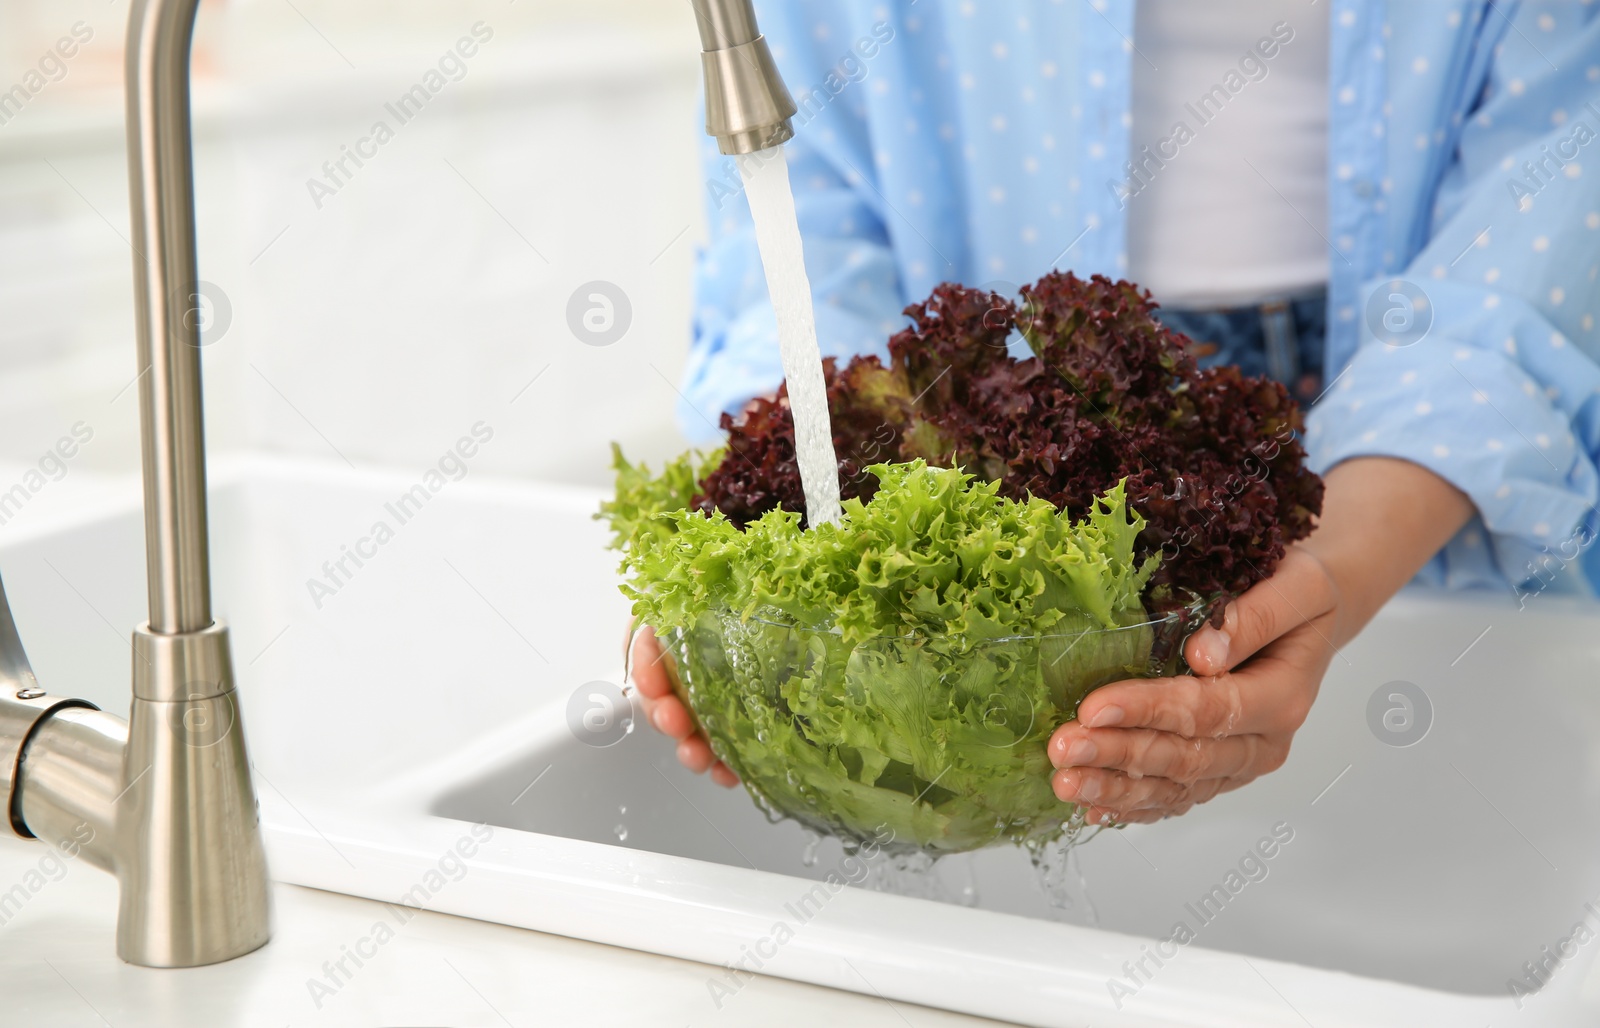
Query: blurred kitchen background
427, 292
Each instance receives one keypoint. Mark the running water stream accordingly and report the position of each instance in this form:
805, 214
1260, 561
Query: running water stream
766, 182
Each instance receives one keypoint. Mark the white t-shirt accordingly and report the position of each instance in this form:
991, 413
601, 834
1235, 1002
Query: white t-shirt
1229, 203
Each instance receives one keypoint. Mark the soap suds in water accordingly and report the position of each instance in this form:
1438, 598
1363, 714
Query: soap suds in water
766, 181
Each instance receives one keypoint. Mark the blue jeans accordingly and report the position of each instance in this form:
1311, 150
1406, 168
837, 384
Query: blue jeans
1281, 339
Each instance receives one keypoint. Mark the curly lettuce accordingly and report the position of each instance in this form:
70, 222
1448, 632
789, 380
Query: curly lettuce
902, 669
641, 497
934, 550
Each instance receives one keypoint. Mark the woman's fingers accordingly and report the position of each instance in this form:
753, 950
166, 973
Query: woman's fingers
1141, 752
1299, 591
670, 717
1114, 790
1174, 802
1145, 749
1270, 695
661, 705
667, 713
1191, 707
647, 666
695, 754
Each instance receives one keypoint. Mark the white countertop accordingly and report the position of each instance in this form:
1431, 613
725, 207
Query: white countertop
60, 969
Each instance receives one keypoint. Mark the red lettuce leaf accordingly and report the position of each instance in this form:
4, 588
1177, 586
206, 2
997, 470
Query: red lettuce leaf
1211, 459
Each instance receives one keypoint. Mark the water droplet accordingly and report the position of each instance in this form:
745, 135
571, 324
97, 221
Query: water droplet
765, 805
621, 832
1092, 912
622, 809
966, 880
808, 856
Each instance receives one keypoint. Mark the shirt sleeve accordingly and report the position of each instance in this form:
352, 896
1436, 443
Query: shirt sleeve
854, 280
1478, 360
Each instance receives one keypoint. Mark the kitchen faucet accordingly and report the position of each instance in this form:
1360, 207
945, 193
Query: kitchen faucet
164, 800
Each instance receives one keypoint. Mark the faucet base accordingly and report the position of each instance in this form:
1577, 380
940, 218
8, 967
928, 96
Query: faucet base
189, 856
164, 801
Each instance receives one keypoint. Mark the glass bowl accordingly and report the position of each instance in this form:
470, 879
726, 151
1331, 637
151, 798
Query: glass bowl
915, 742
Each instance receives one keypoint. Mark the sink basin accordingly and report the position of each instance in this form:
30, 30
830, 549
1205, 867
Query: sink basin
397, 701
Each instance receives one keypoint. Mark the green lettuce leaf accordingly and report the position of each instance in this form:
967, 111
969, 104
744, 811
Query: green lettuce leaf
641, 497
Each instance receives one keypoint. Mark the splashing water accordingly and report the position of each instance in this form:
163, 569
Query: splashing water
908, 874
1058, 872
766, 182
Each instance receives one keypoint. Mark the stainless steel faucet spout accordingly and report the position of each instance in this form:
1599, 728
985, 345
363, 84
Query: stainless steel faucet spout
166, 284
748, 108
725, 23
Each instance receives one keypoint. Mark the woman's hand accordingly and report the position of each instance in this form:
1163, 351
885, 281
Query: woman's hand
1144, 750
667, 713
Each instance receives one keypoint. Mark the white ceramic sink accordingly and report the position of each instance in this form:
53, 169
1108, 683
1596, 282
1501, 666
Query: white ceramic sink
429, 692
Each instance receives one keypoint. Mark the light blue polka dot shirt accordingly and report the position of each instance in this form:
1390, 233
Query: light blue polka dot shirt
943, 141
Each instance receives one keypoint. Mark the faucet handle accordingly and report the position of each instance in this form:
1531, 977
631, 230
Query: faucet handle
15, 672
23, 705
